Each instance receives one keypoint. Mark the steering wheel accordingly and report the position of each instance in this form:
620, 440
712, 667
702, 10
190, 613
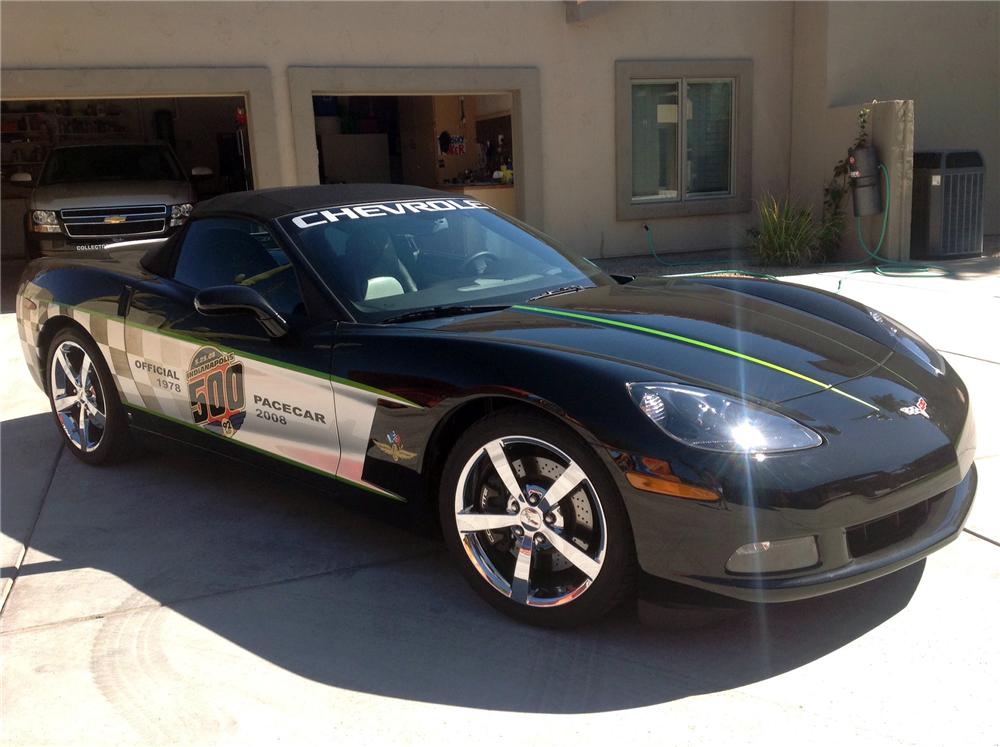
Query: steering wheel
478, 255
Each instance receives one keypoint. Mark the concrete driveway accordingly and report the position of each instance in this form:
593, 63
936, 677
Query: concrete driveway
179, 599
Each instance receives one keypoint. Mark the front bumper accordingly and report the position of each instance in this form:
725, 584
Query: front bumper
60, 245
909, 529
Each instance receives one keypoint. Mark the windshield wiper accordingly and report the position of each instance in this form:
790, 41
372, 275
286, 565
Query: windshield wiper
558, 291
438, 312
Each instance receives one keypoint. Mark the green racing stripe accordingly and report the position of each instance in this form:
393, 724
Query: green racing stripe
691, 341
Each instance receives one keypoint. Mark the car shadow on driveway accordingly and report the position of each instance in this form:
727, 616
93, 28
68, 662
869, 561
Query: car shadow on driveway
336, 596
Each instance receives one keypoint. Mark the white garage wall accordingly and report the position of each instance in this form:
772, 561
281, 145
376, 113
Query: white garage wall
575, 60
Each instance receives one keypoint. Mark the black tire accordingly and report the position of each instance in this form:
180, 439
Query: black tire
104, 445
528, 440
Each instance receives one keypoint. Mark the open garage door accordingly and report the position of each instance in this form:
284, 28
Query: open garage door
207, 135
456, 143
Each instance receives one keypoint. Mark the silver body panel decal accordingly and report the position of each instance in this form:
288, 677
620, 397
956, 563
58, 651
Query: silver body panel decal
305, 418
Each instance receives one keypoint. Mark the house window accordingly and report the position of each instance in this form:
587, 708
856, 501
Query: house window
708, 119
683, 138
656, 140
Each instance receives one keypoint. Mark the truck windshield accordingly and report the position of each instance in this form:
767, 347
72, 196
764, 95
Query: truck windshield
110, 163
390, 260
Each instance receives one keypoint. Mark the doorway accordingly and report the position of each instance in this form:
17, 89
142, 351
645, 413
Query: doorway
460, 143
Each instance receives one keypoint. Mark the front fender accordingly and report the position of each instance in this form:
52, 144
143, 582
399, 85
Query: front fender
456, 380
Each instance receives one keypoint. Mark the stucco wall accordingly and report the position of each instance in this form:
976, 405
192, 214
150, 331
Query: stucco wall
943, 56
820, 134
575, 60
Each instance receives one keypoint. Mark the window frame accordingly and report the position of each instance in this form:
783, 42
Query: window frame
685, 166
678, 151
738, 199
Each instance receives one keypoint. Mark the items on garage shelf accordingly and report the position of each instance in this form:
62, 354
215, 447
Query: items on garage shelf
29, 129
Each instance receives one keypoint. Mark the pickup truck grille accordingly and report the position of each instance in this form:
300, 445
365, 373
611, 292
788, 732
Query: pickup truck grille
132, 220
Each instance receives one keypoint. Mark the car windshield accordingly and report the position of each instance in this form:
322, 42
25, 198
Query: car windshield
390, 259
110, 163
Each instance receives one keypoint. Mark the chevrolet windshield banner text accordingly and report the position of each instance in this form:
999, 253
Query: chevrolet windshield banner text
383, 209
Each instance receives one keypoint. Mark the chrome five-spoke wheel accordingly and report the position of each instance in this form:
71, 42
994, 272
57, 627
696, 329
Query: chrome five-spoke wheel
77, 396
85, 400
535, 520
530, 521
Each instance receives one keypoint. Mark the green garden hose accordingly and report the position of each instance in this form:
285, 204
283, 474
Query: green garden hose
891, 267
880, 265
672, 265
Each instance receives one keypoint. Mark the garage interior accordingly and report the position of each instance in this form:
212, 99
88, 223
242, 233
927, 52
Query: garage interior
206, 131
457, 143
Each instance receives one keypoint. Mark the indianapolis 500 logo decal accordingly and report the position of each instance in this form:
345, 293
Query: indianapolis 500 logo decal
215, 385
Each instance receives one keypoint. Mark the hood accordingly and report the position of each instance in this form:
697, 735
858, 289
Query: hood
700, 333
110, 194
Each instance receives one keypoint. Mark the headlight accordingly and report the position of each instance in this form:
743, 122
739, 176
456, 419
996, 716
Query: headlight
179, 213
911, 342
44, 221
709, 420
45, 217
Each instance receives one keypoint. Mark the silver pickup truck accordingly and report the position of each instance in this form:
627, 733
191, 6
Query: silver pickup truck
89, 196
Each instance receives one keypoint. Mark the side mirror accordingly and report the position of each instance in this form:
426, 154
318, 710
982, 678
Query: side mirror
239, 299
201, 171
21, 177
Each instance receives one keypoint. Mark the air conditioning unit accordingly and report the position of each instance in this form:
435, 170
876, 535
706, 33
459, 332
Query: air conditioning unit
947, 217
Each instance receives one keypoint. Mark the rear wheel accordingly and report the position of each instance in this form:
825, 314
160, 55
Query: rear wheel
84, 399
535, 522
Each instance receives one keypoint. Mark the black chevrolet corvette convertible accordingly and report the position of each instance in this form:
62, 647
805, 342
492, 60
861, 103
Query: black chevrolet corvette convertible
578, 436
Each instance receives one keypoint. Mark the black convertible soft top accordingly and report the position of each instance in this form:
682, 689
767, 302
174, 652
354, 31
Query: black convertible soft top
267, 204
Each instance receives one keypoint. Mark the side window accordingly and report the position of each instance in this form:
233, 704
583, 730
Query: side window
231, 251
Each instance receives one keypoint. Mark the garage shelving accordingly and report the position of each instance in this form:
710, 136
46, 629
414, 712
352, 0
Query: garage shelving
29, 131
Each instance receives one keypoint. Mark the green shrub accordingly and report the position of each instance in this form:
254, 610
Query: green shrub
831, 227
786, 234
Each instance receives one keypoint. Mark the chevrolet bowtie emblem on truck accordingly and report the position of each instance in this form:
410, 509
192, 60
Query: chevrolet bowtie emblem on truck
115, 219
920, 408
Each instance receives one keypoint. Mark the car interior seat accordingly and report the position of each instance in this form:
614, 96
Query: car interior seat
376, 268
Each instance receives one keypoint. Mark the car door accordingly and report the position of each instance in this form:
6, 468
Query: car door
225, 376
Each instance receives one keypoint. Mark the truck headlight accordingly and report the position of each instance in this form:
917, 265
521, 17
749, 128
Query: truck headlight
708, 420
44, 221
180, 213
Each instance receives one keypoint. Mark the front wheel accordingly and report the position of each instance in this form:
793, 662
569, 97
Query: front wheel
535, 522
